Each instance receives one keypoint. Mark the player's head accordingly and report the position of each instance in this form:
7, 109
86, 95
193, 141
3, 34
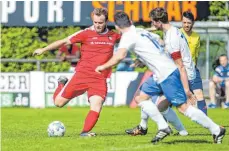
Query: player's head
159, 16
122, 20
187, 21
223, 60
100, 17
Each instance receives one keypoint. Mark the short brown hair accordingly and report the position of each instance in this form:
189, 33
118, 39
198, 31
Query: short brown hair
100, 11
122, 19
159, 14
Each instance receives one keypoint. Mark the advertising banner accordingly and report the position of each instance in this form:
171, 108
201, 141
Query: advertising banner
78, 13
15, 89
35, 89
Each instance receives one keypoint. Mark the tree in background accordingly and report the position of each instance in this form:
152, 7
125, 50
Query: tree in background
219, 9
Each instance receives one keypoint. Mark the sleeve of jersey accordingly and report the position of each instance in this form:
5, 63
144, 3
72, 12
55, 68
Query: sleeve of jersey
217, 72
126, 42
77, 37
176, 55
174, 44
197, 48
62, 48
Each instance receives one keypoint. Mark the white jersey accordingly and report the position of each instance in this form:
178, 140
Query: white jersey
176, 41
144, 44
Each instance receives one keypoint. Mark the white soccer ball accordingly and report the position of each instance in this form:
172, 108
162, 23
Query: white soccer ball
56, 129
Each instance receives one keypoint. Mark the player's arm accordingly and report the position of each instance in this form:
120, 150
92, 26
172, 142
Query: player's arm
59, 55
52, 46
183, 73
217, 77
197, 50
74, 56
126, 43
183, 76
74, 38
118, 57
174, 50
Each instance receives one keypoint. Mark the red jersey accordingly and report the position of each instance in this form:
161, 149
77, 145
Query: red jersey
96, 49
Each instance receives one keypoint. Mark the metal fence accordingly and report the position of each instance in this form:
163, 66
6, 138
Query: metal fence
38, 62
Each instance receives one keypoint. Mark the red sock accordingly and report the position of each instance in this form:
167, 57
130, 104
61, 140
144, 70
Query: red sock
57, 91
90, 121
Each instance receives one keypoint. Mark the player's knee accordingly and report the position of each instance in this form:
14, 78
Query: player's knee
182, 108
211, 84
57, 102
199, 94
138, 99
141, 97
163, 105
227, 83
96, 103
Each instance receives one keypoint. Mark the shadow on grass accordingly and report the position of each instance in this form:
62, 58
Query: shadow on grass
196, 134
189, 141
98, 134
113, 134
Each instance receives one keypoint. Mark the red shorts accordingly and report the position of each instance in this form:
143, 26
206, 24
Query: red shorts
81, 82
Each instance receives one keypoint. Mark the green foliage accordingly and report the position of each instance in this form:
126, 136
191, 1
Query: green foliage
218, 8
20, 43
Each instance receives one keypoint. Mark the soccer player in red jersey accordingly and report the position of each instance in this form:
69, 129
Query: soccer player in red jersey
97, 44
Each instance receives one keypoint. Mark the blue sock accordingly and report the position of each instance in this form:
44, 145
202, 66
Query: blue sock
171, 116
202, 106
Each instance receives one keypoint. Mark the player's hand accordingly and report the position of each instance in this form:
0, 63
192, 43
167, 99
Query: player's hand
38, 52
99, 69
191, 98
137, 63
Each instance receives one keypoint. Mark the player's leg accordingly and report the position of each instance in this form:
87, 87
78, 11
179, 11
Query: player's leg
96, 103
170, 115
177, 97
68, 89
226, 104
96, 93
199, 117
197, 88
150, 87
212, 93
58, 100
142, 128
144, 117
150, 109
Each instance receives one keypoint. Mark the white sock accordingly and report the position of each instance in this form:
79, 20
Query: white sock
199, 117
171, 116
144, 119
152, 111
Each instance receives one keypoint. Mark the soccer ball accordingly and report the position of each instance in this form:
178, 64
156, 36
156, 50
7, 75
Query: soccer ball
56, 129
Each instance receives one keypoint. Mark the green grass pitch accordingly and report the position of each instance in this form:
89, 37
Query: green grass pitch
25, 129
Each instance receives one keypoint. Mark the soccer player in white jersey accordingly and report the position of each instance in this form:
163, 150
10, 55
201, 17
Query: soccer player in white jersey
176, 42
163, 105
169, 81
